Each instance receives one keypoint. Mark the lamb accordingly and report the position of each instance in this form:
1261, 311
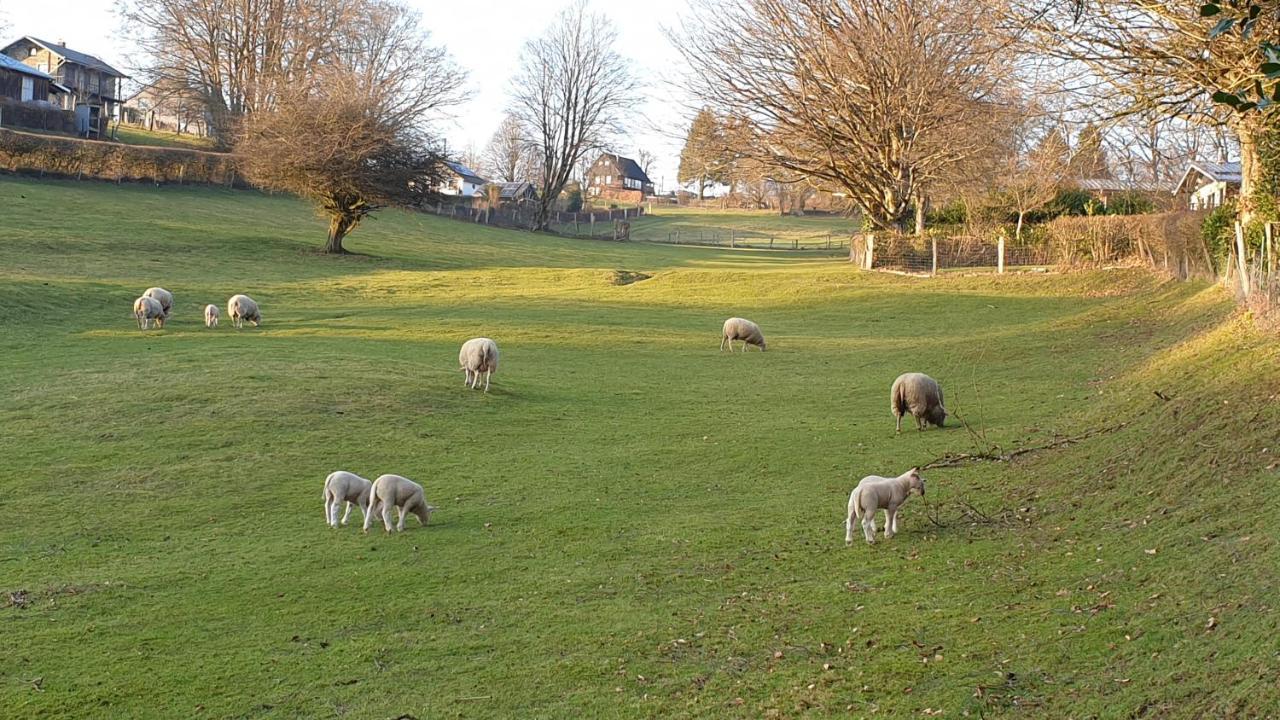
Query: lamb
920, 395
162, 296
478, 355
344, 487
211, 316
736, 328
400, 492
874, 493
146, 309
242, 308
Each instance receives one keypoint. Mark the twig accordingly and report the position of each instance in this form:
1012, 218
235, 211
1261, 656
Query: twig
964, 458
475, 697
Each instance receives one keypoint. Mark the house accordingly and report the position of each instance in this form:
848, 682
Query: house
23, 83
515, 192
93, 87
1207, 185
156, 108
460, 180
1104, 189
613, 177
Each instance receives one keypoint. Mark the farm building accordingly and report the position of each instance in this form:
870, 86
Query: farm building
1105, 189
93, 86
613, 177
155, 108
461, 181
1207, 185
20, 82
515, 192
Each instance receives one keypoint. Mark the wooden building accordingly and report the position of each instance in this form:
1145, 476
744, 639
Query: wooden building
1207, 185
93, 86
616, 178
22, 83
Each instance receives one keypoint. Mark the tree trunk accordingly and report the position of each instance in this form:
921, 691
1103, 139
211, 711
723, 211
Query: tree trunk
339, 226
1250, 169
702, 189
920, 215
1017, 234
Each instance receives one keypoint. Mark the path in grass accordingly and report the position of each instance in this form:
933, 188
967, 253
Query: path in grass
631, 523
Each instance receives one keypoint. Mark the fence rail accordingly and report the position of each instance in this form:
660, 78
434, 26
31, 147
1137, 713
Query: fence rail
756, 240
612, 224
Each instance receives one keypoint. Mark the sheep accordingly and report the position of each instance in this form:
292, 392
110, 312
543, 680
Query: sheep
211, 316
736, 328
874, 493
478, 355
242, 308
920, 395
400, 492
344, 487
162, 296
146, 309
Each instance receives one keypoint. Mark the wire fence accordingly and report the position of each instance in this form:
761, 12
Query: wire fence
753, 239
611, 224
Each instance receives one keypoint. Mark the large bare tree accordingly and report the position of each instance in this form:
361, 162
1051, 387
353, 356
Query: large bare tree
507, 156
351, 136
569, 95
1160, 59
872, 97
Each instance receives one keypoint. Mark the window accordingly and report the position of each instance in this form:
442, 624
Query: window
31, 52
28, 89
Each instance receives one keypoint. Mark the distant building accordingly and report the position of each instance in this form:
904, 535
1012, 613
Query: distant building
1104, 189
1207, 185
515, 192
613, 177
93, 86
460, 180
156, 108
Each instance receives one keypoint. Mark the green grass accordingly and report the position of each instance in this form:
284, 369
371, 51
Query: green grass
131, 135
757, 229
631, 523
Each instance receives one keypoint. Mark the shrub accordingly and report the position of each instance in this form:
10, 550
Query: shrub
1218, 232
72, 157
36, 116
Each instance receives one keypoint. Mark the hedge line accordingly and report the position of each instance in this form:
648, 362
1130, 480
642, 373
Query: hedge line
71, 157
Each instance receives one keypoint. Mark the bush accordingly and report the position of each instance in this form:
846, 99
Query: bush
1170, 240
72, 157
1218, 232
36, 116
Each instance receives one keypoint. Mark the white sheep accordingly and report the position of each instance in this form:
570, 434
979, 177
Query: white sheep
394, 491
241, 308
736, 328
344, 487
211, 315
920, 395
875, 493
147, 309
162, 296
478, 355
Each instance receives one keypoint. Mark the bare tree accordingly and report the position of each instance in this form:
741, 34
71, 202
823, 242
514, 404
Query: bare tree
569, 95
506, 156
1033, 174
350, 135
874, 97
1158, 58
645, 159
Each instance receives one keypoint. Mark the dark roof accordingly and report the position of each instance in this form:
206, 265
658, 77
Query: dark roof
627, 167
513, 190
76, 57
8, 63
1228, 172
1117, 185
466, 173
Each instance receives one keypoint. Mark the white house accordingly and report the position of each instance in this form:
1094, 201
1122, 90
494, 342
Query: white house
1207, 185
461, 181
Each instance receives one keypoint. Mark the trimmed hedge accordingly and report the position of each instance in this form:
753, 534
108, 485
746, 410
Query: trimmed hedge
36, 117
71, 157
1169, 240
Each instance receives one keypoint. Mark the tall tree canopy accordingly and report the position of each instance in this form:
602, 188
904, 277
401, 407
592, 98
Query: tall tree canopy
704, 159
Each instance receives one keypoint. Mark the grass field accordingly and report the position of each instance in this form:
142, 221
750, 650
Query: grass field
132, 135
631, 523
755, 229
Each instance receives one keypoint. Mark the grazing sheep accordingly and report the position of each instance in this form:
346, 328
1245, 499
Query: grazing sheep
344, 487
736, 328
146, 309
875, 493
919, 395
394, 491
242, 308
211, 316
478, 355
162, 296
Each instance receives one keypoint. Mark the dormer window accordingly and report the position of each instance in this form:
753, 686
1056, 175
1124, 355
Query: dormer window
31, 52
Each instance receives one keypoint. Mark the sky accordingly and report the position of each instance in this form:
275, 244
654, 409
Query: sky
485, 38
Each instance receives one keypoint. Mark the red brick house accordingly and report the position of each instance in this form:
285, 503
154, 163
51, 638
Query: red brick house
616, 178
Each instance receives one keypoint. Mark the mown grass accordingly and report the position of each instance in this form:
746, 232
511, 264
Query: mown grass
132, 135
753, 228
631, 523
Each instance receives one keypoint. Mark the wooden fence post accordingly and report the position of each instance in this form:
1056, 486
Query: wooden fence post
935, 256
1268, 249
1240, 258
731, 239
593, 224
868, 260
1000, 257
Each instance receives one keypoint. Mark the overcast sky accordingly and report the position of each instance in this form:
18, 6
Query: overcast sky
484, 37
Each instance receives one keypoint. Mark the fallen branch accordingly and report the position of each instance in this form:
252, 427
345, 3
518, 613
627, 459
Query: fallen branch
965, 458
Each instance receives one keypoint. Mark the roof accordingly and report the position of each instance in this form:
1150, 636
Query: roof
627, 167
1228, 172
1115, 185
8, 63
513, 190
74, 56
466, 173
